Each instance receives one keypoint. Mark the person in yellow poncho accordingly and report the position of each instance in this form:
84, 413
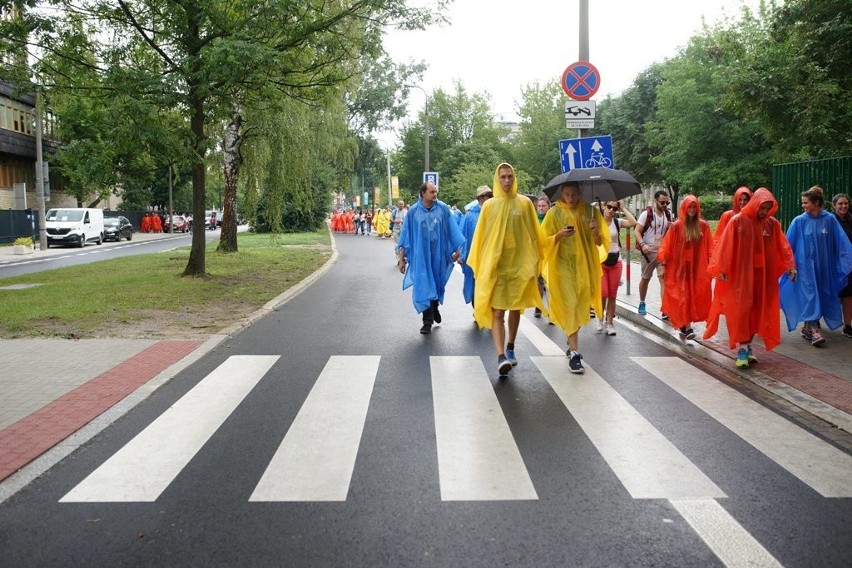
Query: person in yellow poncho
504, 256
572, 266
381, 222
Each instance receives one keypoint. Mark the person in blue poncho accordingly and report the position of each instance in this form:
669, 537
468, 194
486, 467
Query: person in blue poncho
430, 241
468, 225
824, 260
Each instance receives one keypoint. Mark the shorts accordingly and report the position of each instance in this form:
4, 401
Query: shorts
648, 265
611, 279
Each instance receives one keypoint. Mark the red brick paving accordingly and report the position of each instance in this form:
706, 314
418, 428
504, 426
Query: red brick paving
30, 437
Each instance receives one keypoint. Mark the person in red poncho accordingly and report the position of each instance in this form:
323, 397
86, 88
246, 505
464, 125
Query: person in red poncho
752, 253
684, 256
146, 223
741, 197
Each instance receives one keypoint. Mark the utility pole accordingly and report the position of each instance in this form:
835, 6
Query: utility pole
584, 39
39, 189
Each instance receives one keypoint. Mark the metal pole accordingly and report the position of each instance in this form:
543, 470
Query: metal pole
39, 190
425, 127
390, 193
171, 205
584, 39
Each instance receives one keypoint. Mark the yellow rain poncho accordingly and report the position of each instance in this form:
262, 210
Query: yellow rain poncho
381, 222
572, 267
505, 253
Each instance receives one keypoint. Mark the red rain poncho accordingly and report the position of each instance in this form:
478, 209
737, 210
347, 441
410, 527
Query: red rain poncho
687, 291
753, 253
735, 208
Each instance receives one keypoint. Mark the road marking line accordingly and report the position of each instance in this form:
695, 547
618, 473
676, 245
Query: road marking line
816, 463
478, 459
539, 339
728, 540
317, 456
646, 462
145, 466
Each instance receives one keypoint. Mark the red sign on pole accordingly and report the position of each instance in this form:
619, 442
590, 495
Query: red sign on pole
581, 80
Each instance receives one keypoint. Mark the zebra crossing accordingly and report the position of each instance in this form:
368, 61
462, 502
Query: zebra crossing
478, 457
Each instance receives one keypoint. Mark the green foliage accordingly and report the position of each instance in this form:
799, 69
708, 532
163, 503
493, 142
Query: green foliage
542, 126
713, 205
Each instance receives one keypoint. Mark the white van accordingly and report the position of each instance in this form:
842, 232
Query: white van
74, 226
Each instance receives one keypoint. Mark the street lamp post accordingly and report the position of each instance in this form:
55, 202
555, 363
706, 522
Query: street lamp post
425, 127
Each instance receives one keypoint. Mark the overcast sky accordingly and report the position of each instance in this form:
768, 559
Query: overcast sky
498, 46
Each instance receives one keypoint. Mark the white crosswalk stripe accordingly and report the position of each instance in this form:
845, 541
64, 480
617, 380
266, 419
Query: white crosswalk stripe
818, 464
143, 468
477, 455
315, 460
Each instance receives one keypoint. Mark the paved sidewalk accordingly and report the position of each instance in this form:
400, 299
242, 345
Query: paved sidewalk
816, 379
56, 394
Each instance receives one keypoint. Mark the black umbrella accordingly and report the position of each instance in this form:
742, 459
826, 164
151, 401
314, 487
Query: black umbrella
596, 184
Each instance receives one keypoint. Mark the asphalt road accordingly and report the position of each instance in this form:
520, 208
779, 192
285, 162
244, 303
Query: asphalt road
61, 256
331, 433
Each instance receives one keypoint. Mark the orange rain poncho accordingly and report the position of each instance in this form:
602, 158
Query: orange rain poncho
753, 253
735, 208
687, 292
572, 267
505, 253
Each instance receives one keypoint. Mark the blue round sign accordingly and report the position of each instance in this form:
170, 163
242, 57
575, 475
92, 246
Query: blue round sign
581, 80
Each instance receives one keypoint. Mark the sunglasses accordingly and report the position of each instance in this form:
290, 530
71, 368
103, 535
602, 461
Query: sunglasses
664, 203
611, 207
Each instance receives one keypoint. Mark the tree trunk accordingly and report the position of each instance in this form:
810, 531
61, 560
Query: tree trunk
196, 266
233, 160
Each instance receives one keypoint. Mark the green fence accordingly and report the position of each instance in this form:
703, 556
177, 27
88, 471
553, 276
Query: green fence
833, 175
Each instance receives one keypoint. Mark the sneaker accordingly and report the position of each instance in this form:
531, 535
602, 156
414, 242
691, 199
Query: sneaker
436, 314
751, 357
503, 366
510, 357
574, 364
642, 310
683, 332
806, 333
847, 330
537, 313
591, 313
664, 316
426, 329
690, 333
599, 326
742, 358
610, 329
816, 338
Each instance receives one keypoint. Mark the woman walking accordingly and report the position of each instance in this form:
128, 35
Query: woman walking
823, 256
684, 256
612, 266
840, 204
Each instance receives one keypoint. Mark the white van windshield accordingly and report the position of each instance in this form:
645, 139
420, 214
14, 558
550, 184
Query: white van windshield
64, 215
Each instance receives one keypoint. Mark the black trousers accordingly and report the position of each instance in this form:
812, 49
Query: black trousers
429, 313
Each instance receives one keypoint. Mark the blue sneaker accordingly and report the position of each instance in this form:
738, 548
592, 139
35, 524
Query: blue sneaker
751, 357
642, 310
575, 364
503, 366
742, 358
510, 357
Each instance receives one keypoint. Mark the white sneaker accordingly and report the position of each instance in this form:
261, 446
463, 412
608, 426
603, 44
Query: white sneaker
610, 329
599, 326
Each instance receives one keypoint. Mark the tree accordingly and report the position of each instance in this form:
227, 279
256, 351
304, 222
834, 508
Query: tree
205, 57
793, 78
542, 114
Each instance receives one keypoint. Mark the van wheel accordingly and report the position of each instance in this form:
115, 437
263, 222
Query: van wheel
81, 241
100, 239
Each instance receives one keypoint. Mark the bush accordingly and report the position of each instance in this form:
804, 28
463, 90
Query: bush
712, 206
25, 241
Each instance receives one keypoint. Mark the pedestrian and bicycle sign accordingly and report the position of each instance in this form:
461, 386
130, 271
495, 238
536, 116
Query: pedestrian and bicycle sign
581, 80
592, 152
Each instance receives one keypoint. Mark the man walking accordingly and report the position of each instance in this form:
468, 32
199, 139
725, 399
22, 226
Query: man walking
505, 257
430, 242
468, 226
649, 231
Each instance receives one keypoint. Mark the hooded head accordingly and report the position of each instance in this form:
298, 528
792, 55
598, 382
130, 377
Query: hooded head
505, 182
758, 198
685, 203
737, 205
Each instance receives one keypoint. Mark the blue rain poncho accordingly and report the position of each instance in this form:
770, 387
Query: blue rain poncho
468, 226
429, 237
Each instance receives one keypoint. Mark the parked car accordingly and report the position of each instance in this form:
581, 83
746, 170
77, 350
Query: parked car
117, 228
181, 224
74, 226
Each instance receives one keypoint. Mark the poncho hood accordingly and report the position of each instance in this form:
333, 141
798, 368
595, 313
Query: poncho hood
760, 196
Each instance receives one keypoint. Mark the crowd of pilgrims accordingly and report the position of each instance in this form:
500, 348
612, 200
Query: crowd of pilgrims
365, 221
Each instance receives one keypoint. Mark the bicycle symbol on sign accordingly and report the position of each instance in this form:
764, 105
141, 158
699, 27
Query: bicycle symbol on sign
598, 160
